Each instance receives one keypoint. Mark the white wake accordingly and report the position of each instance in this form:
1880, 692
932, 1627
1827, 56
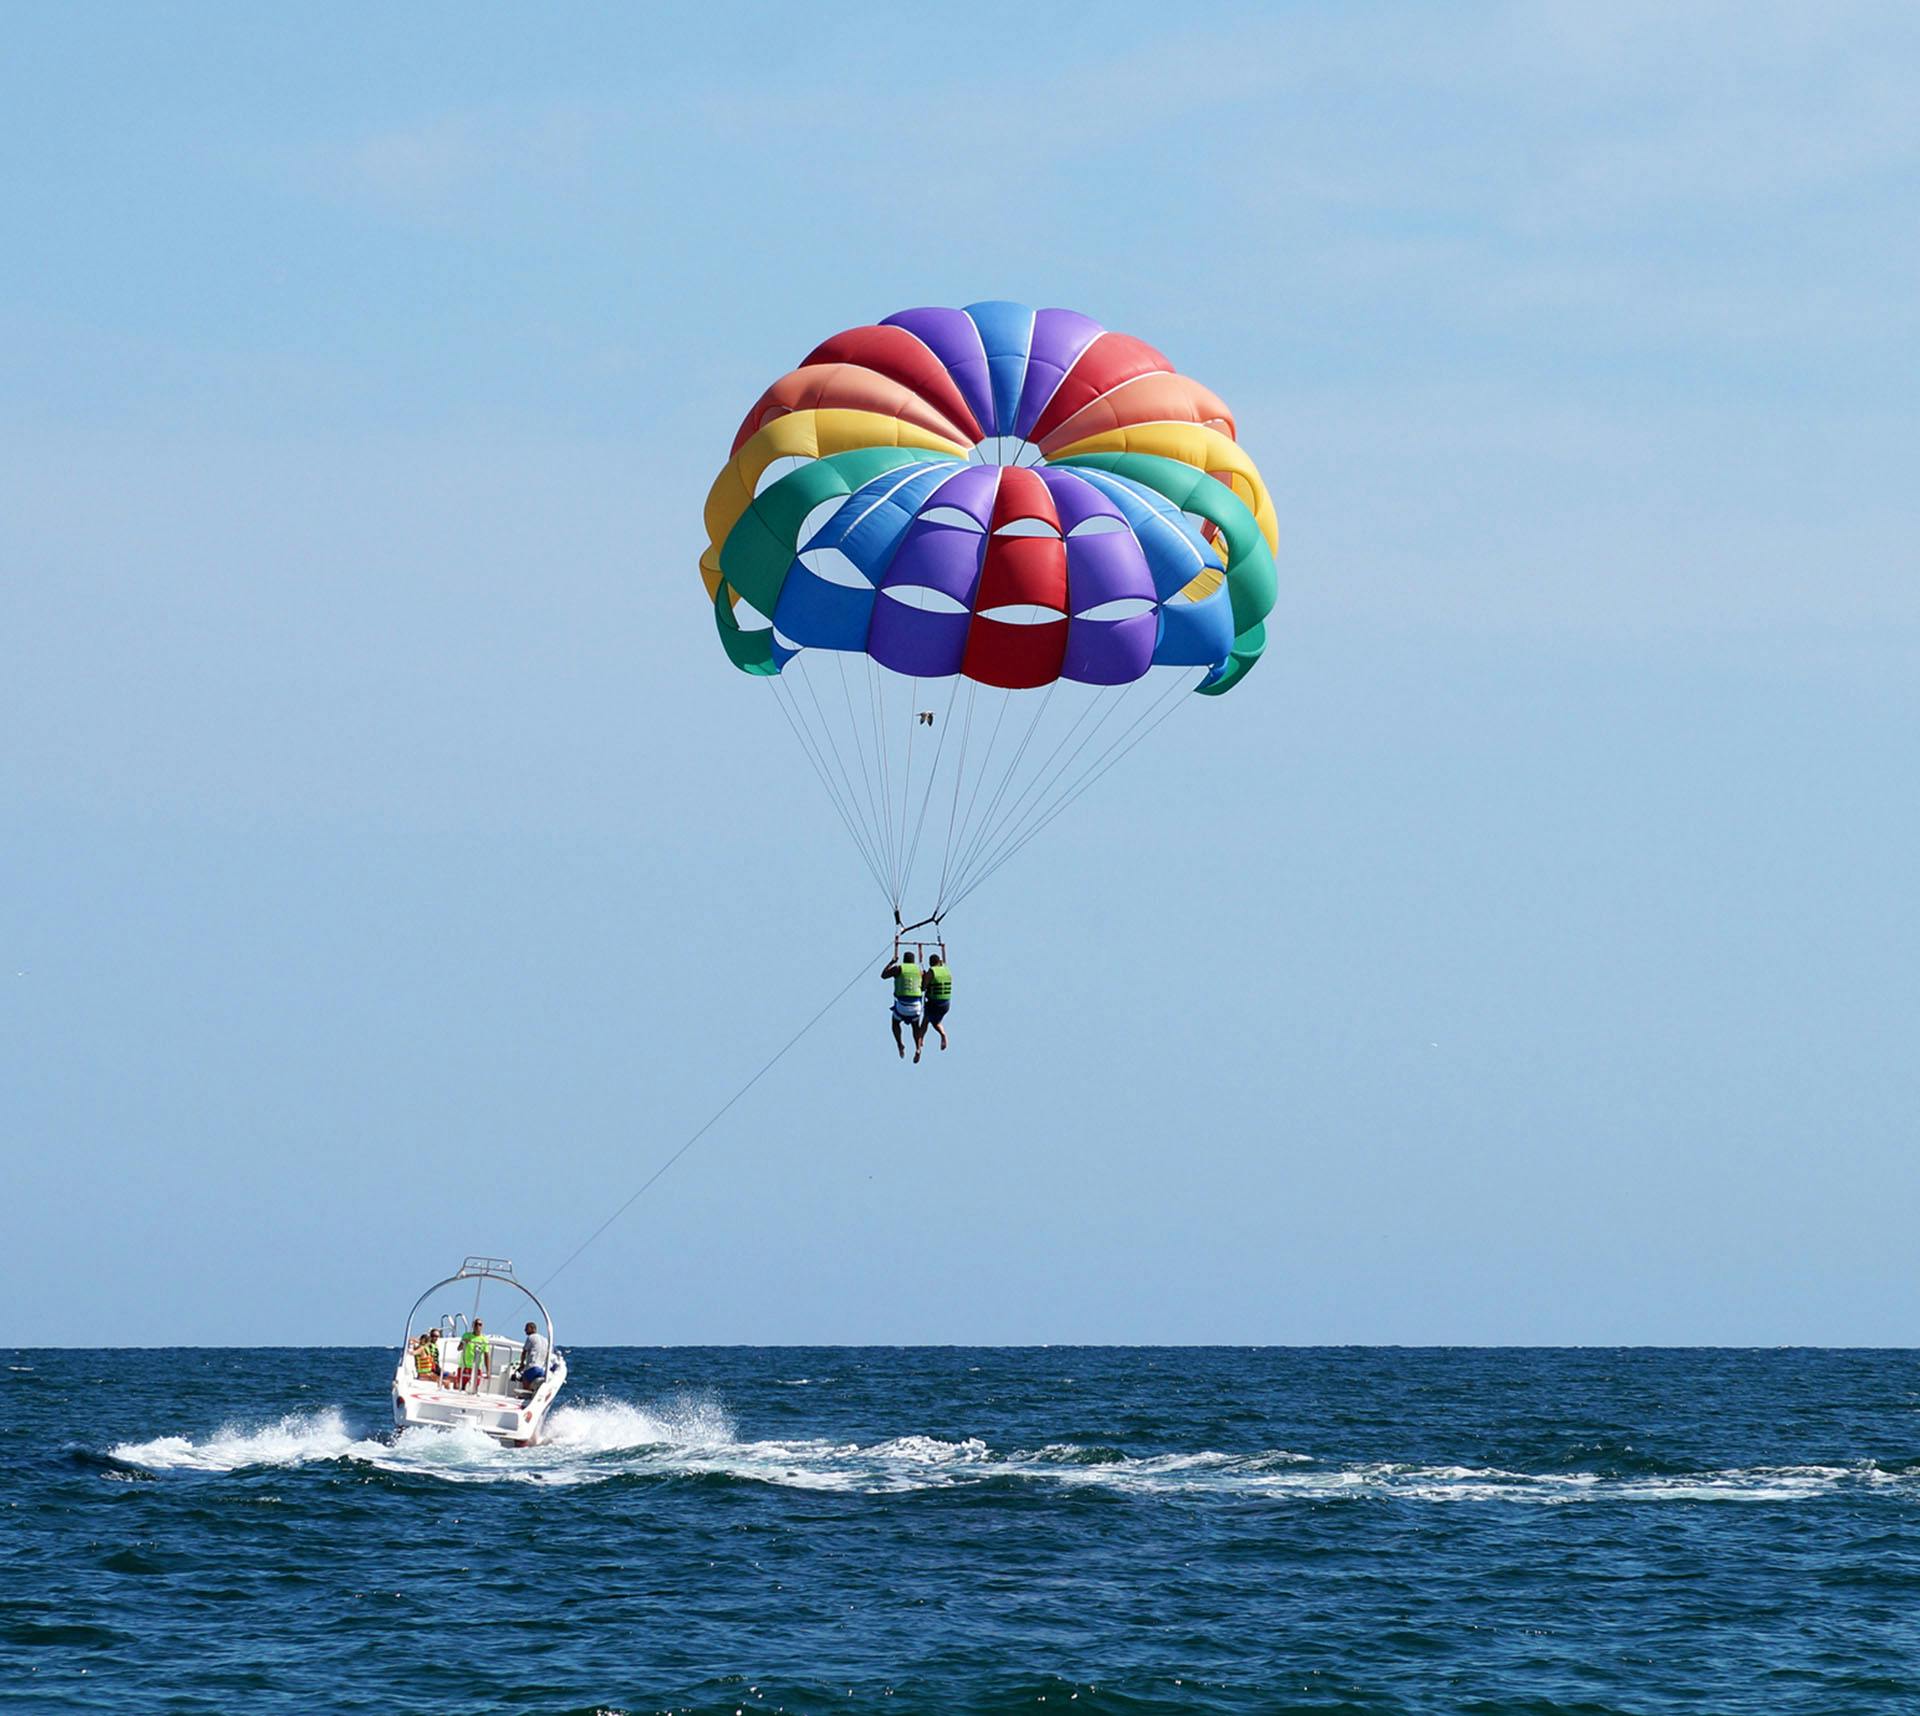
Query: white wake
694, 1436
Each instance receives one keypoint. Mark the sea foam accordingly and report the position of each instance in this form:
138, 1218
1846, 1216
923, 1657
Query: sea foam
595, 1441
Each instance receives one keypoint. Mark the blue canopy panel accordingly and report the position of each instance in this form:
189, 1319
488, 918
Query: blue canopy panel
1195, 634
820, 613
1006, 336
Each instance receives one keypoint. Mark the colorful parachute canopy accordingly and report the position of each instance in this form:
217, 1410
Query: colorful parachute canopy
1010, 495
1031, 512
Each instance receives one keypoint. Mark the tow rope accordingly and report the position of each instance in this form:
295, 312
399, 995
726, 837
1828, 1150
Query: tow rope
866, 966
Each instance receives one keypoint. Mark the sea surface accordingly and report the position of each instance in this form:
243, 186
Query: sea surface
971, 1530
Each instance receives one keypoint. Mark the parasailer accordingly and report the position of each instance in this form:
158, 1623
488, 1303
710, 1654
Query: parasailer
939, 995
908, 988
977, 555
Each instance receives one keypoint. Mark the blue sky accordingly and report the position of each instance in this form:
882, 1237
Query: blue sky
391, 865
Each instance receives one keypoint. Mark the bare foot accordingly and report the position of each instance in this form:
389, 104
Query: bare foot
916, 1057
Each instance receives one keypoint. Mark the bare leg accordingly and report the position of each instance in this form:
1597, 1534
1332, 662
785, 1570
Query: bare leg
919, 1038
902, 1047
942, 1029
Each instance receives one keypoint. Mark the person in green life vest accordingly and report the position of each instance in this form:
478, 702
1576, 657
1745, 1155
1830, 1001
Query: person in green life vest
476, 1358
909, 983
426, 1357
939, 995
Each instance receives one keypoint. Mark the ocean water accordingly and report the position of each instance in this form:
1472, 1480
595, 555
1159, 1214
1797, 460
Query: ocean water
971, 1530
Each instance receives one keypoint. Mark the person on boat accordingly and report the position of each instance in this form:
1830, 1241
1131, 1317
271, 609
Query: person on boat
939, 995
907, 986
426, 1356
533, 1360
476, 1356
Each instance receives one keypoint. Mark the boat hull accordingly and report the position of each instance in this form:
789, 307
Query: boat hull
509, 1419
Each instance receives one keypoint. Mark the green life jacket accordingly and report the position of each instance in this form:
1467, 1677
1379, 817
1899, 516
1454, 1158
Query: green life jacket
939, 981
906, 982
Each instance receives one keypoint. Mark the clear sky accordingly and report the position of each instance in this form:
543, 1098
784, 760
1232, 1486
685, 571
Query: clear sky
391, 865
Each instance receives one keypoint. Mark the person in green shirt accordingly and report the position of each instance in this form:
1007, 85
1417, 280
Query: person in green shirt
476, 1356
939, 995
908, 986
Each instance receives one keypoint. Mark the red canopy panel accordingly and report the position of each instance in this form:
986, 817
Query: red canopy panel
1022, 569
1016, 657
1103, 366
899, 355
1022, 494
847, 387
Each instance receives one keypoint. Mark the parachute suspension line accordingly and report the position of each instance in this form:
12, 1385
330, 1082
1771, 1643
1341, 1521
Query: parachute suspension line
1060, 789
1168, 702
979, 779
826, 728
959, 775
1006, 779
906, 789
1108, 704
817, 747
810, 746
877, 699
833, 797
884, 804
911, 845
1174, 699
1104, 700
858, 722
712, 1120
846, 774
860, 745
933, 774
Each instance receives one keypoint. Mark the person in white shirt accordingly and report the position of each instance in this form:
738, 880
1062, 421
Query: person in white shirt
533, 1360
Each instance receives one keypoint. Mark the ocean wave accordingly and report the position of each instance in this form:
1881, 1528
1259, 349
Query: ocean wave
601, 1426
693, 1438
293, 1440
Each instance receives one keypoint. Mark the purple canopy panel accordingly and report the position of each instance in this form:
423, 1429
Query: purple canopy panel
943, 557
1075, 499
1106, 568
1106, 652
1059, 337
951, 336
910, 640
970, 490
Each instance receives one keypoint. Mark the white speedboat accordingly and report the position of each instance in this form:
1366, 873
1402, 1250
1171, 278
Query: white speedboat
458, 1369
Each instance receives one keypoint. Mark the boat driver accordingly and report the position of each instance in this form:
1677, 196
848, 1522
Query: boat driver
533, 1360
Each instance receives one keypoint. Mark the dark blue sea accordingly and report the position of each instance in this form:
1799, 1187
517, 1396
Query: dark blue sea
971, 1530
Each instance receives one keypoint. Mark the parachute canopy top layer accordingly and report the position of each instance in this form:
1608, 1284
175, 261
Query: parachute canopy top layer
1008, 495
